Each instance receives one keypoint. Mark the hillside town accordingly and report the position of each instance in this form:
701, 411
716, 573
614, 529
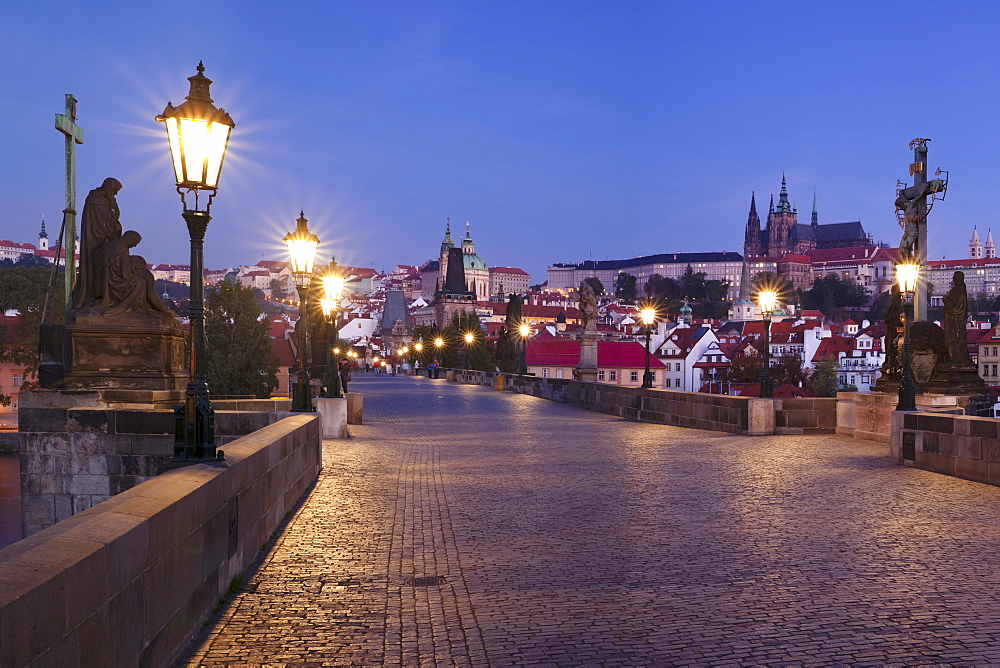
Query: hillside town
700, 341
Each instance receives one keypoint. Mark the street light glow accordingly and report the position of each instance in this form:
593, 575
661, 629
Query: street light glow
524, 330
648, 316
470, 337
767, 299
906, 275
438, 342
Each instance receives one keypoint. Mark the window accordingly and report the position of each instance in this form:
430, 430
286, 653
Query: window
17, 380
613, 375
600, 375
678, 367
994, 369
986, 369
559, 373
633, 376
545, 373
677, 382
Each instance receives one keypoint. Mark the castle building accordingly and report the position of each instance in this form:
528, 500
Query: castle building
783, 233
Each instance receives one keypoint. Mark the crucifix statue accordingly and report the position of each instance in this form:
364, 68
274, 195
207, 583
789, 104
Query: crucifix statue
66, 124
912, 209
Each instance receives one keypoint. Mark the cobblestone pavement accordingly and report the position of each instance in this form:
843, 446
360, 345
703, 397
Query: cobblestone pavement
463, 526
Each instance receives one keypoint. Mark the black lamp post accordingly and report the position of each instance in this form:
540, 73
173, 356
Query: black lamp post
906, 275
524, 329
198, 134
766, 300
648, 316
333, 287
302, 251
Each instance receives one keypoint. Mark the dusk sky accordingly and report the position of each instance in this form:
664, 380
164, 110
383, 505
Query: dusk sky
560, 130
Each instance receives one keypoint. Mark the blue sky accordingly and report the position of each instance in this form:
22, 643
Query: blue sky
561, 130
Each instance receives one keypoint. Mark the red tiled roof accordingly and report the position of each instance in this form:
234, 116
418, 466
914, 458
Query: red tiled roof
829, 347
508, 270
967, 262
283, 352
794, 257
857, 254
533, 311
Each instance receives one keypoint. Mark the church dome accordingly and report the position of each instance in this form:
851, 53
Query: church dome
473, 261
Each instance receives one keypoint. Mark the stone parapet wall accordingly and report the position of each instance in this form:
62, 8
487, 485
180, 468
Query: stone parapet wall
76, 451
129, 582
739, 415
958, 445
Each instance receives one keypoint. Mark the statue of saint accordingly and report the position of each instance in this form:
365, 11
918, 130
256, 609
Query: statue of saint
956, 313
513, 319
588, 307
130, 284
99, 225
893, 323
110, 279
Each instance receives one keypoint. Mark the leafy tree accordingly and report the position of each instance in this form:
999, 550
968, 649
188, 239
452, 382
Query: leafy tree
625, 288
25, 261
239, 352
479, 353
662, 288
746, 368
823, 381
831, 292
596, 284
24, 289
788, 369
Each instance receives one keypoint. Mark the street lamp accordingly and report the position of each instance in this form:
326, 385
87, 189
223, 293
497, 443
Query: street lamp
302, 252
198, 135
524, 329
906, 275
766, 300
469, 339
648, 317
333, 288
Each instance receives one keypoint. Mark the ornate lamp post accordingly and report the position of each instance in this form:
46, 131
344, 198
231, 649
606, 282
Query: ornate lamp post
767, 299
438, 344
907, 274
302, 252
524, 329
198, 135
469, 338
333, 287
648, 317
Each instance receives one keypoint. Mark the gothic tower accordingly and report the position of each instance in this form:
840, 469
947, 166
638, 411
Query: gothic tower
446, 245
780, 224
815, 214
975, 246
991, 249
752, 246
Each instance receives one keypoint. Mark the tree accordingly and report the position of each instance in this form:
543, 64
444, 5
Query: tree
479, 353
596, 284
662, 288
625, 288
787, 369
27, 290
831, 292
823, 381
239, 352
746, 368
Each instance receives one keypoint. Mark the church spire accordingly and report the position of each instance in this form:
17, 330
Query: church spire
784, 206
975, 246
751, 240
43, 236
991, 249
772, 204
815, 216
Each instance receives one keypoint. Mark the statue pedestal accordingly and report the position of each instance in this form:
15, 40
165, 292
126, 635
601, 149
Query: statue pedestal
129, 353
951, 378
586, 370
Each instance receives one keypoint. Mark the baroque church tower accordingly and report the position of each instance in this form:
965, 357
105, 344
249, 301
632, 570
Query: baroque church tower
43, 237
975, 246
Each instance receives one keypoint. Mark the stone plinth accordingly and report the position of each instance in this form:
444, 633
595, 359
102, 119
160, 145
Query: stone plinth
868, 415
127, 352
333, 416
586, 370
355, 407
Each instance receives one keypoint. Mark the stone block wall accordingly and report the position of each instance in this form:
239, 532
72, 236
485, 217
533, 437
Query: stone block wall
130, 581
74, 457
805, 416
957, 445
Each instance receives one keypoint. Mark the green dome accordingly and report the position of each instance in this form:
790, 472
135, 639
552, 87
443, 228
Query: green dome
473, 262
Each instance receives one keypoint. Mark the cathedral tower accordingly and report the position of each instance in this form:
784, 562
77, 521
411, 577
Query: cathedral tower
781, 223
752, 246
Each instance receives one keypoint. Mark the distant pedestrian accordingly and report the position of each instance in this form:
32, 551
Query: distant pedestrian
345, 373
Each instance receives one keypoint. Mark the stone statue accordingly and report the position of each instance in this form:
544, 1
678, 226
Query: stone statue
513, 319
588, 307
110, 279
99, 224
956, 312
130, 286
893, 323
